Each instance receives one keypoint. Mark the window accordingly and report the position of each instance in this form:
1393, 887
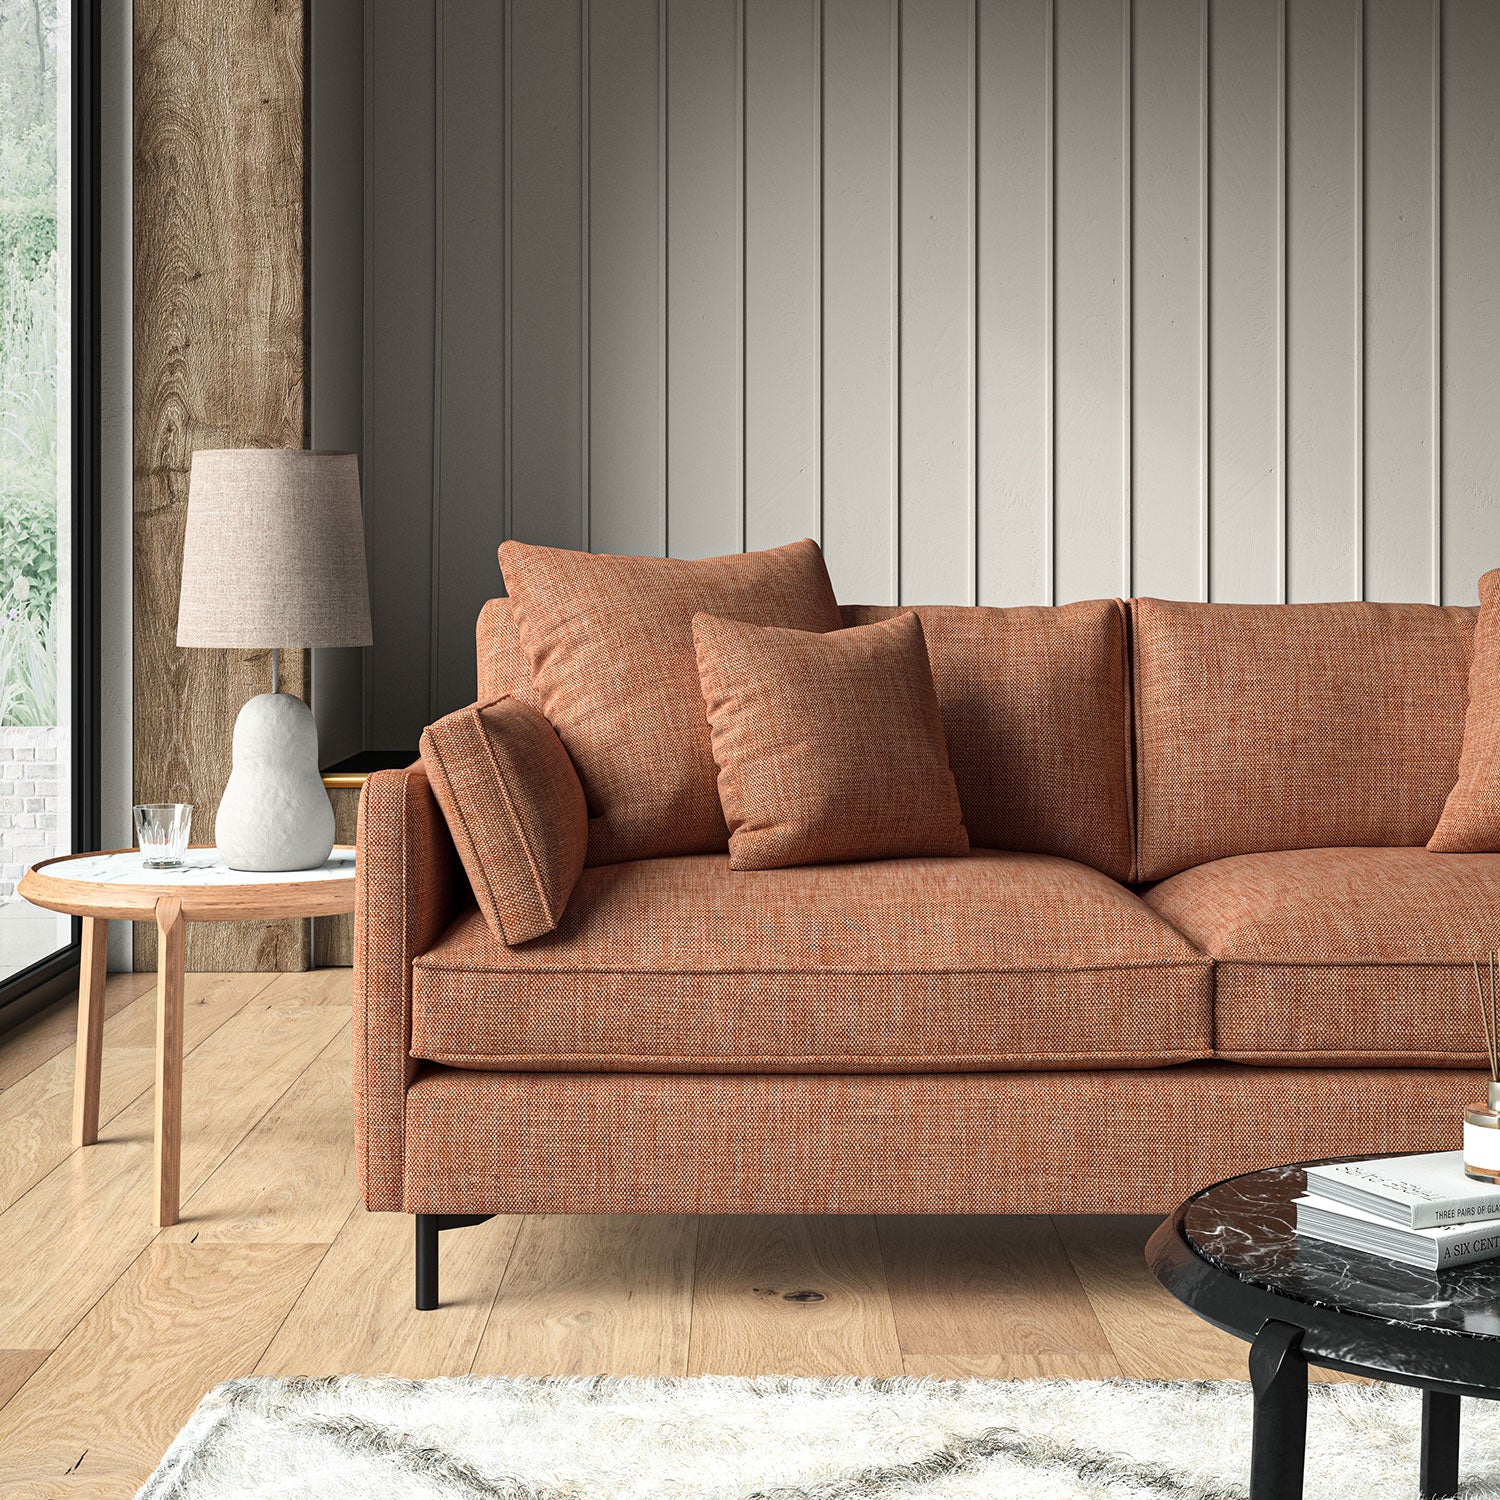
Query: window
48, 465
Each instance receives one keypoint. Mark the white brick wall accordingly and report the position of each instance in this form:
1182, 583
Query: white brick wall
34, 811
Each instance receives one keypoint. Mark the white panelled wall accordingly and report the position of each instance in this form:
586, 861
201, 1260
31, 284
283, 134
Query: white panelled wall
1007, 301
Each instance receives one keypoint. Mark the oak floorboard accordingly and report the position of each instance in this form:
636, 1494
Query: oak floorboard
790, 1295
590, 1294
178, 1321
79, 1227
314, 987
36, 1113
17, 1367
356, 1316
25, 1048
989, 1296
1153, 1335
292, 1180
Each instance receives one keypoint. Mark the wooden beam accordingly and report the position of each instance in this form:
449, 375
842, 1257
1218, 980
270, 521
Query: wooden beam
220, 360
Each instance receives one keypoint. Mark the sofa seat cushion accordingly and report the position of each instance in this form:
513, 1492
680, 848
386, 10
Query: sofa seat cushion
1342, 956
991, 960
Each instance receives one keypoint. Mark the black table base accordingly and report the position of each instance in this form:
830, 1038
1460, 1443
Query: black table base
1232, 1255
1278, 1446
1439, 1444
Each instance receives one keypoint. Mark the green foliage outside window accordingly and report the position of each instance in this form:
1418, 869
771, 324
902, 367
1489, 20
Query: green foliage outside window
29, 361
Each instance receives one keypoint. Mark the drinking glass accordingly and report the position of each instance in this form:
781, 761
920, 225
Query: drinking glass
161, 828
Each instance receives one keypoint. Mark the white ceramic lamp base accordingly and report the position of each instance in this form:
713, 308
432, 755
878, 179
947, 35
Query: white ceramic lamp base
275, 813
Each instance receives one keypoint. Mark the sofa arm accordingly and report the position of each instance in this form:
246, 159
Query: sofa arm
408, 887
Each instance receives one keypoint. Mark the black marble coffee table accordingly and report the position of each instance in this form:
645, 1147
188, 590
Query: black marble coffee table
1231, 1254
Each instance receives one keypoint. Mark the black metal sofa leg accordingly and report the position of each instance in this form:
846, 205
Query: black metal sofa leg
429, 1226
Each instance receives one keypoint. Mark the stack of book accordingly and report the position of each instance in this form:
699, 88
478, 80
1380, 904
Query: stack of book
1421, 1210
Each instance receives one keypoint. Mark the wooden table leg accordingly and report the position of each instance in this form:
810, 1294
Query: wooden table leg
90, 1031
170, 959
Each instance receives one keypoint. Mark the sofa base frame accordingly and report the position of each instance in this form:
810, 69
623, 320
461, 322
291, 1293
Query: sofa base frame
429, 1226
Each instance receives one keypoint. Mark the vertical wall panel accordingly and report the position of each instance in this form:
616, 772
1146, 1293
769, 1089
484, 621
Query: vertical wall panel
937, 311
1013, 318
1091, 312
1471, 295
1169, 511
1323, 296
627, 409
1246, 543
1014, 298
782, 401
859, 298
1400, 495
704, 353
469, 513
545, 275
400, 346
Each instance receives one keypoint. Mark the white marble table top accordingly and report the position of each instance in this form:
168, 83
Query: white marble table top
203, 868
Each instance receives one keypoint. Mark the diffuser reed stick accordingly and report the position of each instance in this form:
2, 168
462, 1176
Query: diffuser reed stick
1487, 1013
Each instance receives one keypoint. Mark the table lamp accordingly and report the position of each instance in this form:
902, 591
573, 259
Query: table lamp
274, 556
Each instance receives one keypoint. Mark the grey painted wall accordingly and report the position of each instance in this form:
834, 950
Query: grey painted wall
1004, 300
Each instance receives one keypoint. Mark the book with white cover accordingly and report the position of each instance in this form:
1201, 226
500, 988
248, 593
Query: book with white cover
1430, 1249
1417, 1192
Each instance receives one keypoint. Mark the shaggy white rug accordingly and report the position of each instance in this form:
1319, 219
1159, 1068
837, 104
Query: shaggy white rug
493, 1438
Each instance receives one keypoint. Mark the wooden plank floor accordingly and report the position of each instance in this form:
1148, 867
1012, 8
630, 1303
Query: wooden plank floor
110, 1332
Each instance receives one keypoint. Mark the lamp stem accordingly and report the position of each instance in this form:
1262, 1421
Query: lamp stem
275, 669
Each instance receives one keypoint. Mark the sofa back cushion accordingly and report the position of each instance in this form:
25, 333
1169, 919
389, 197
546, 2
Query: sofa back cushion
610, 643
1035, 707
503, 664
1262, 727
1036, 710
1471, 819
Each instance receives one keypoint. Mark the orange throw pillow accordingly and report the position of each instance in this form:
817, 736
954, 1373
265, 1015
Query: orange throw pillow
829, 747
610, 641
515, 810
1470, 823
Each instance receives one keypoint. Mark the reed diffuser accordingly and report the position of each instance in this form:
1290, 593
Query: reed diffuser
1482, 1121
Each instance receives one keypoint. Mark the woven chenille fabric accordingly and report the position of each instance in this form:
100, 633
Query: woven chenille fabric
503, 665
515, 810
1470, 823
1342, 956
407, 888
1094, 1142
610, 643
990, 960
829, 746
1036, 714
1293, 726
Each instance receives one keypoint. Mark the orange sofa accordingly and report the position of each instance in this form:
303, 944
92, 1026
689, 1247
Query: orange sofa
1197, 934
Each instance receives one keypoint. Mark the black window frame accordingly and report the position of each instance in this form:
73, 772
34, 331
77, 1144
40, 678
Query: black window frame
32, 988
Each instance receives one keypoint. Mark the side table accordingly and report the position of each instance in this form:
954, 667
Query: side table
115, 886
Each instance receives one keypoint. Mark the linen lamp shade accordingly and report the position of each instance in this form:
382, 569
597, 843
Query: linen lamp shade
274, 553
